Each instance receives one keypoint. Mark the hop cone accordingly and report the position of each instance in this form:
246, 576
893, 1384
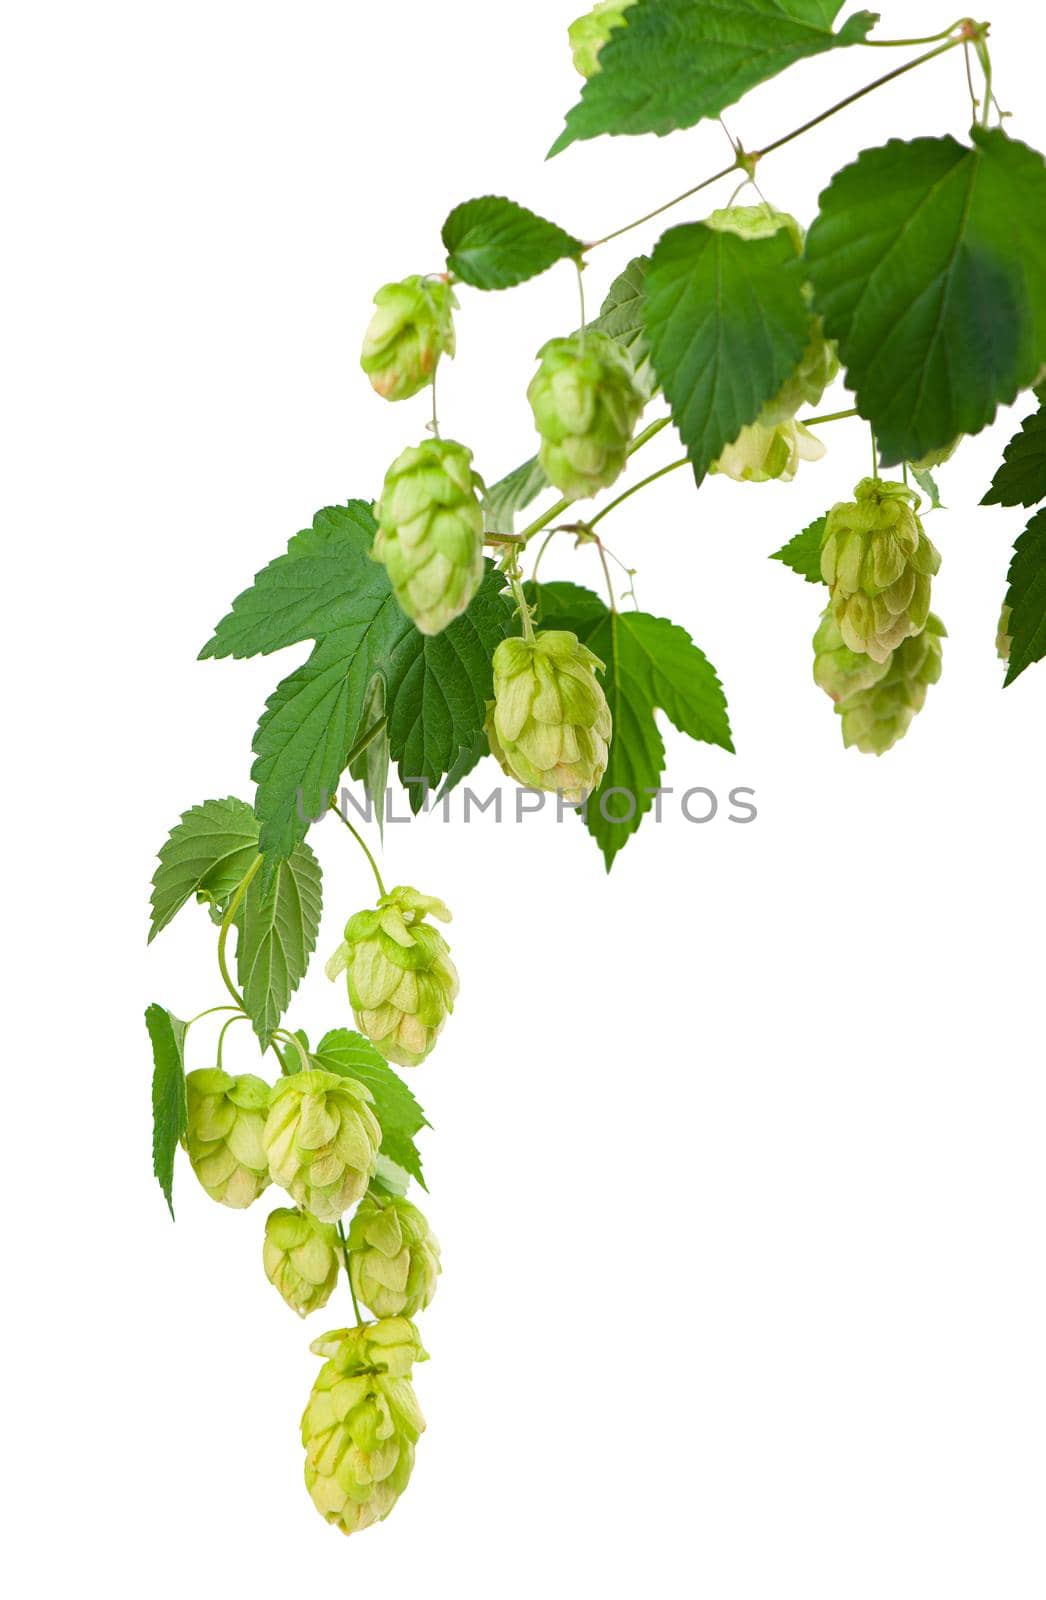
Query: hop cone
393, 1257
411, 328
588, 34
362, 1422
838, 670
1003, 637
877, 563
549, 724
875, 718
300, 1256
322, 1139
430, 532
586, 404
766, 450
225, 1123
402, 982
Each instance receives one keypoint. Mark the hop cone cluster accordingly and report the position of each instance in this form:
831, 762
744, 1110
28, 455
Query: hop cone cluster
402, 982
549, 724
430, 532
224, 1128
362, 1422
838, 670
878, 563
876, 717
393, 1257
411, 328
588, 34
322, 1138
300, 1256
586, 404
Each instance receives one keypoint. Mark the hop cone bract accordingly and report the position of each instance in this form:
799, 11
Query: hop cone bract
1003, 637
225, 1123
430, 532
588, 34
322, 1140
300, 1256
766, 450
586, 404
362, 1422
838, 670
549, 724
878, 563
393, 1256
402, 982
875, 718
411, 328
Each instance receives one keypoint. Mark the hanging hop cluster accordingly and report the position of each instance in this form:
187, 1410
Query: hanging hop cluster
549, 724
430, 532
874, 718
393, 1256
225, 1124
411, 328
878, 563
586, 403
588, 34
402, 983
774, 444
362, 1422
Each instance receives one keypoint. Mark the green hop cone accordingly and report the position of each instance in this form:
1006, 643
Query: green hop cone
402, 982
875, 718
838, 670
393, 1256
224, 1127
362, 1422
818, 367
549, 724
765, 451
588, 34
878, 563
411, 328
586, 404
430, 532
322, 1138
1003, 637
301, 1256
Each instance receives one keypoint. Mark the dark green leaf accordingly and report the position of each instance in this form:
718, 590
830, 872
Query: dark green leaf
650, 663
679, 61
395, 1107
493, 243
803, 553
1026, 597
167, 1036
727, 323
1021, 480
371, 766
468, 759
277, 926
205, 854
928, 262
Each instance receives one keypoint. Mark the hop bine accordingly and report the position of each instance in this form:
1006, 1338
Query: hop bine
586, 404
549, 724
224, 1128
402, 983
393, 1256
430, 532
322, 1138
411, 328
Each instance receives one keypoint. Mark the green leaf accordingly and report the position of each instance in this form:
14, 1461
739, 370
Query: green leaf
1021, 480
371, 766
928, 262
467, 759
493, 243
512, 493
621, 317
277, 926
205, 854
928, 484
1026, 597
650, 663
167, 1036
727, 323
327, 588
803, 553
395, 1107
679, 61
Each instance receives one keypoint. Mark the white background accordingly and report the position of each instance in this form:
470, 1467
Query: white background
738, 1154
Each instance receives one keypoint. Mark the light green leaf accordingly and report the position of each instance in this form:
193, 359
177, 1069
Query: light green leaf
679, 61
1021, 480
928, 484
167, 1036
493, 243
205, 854
928, 262
621, 317
727, 323
650, 663
512, 493
277, 925
395, 1106
1026, 597
371, 766
803, 553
